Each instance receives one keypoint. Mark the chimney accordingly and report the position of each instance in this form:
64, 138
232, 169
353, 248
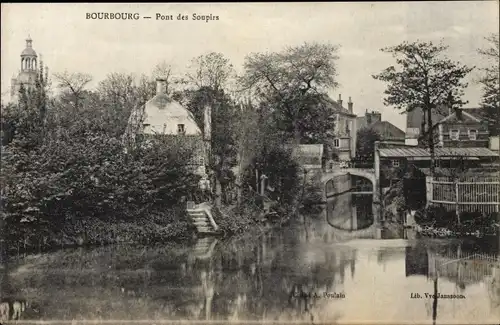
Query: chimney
340, 100
160, 86
350, 104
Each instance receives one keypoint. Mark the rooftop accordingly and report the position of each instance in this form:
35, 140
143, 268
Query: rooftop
28, 51
440, 152
414, 119
336, 107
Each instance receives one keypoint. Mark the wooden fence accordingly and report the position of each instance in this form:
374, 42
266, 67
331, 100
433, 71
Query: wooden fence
466, 194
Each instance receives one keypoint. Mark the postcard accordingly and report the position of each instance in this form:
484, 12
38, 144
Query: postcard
250, 163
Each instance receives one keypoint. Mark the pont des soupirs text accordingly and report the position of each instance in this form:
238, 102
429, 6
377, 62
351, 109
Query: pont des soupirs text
195, 16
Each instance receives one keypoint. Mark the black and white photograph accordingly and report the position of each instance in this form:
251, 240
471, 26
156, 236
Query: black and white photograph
250, 163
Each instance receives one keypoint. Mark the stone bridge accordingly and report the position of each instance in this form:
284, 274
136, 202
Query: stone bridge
367, 173
362, 172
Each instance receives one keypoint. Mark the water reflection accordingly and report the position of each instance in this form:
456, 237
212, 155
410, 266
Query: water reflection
350, 211
269, 276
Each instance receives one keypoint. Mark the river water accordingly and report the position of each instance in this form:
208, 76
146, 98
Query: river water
311, 272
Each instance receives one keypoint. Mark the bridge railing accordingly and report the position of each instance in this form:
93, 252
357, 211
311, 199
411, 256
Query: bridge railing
336, 165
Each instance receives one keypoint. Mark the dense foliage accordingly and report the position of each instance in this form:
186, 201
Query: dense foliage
67, 178
222, 133
490, 81
463, 224
365, 144
71, 177
293, 84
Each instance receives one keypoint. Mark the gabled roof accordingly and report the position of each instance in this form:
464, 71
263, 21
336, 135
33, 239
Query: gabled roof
161, 107
462, 115
478, 112
414, 118
387, 129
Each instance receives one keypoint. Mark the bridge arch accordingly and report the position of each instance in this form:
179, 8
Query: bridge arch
369, 174
365, 173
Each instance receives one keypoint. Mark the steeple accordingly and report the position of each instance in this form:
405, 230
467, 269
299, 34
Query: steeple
28, 73
29, 41
28, 57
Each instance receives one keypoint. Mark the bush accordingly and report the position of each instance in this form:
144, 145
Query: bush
312, 197
437, 216
477, 221
72, 180
470, 222
233, 222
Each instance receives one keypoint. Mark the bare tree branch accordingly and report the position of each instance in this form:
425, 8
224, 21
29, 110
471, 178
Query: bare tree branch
74, 83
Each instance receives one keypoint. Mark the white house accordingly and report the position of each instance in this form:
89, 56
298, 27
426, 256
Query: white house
163, 116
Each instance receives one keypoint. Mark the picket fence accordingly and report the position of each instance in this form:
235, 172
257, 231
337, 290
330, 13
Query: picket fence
469, 194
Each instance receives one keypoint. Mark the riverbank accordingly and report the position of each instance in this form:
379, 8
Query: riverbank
96, 232
435, 221
170, 227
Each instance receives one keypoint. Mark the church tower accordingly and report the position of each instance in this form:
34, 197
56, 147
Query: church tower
29, 70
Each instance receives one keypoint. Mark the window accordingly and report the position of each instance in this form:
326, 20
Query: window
336, 143
454, 134
180, 129
472, 134
395, 163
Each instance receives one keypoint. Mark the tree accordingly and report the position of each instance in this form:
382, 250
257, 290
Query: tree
365, 144
73, 83
490, 81
247, 140
8, 124
118, 96
71, 172
117, 88
293, 83
163, 70
424, 79
23, 123
147, 84
210, 70
222, 139
211, 73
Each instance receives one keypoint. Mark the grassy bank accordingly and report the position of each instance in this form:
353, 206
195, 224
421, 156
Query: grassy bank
166, 227
435, 221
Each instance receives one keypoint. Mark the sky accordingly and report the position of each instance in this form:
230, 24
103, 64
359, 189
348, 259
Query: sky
69, 41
